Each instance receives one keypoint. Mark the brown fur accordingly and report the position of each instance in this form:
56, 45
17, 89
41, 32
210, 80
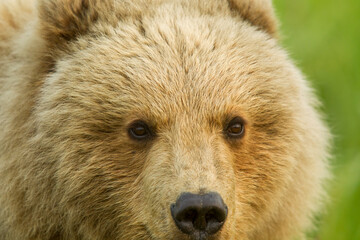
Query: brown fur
74, 78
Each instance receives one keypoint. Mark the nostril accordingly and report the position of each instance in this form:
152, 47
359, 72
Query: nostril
216, 214
190, 215
184, 218
215, 218
211, 216
195, 214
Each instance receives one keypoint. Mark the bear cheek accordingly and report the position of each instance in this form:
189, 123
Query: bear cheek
264, 167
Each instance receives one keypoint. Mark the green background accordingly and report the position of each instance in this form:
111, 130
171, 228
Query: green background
323, 36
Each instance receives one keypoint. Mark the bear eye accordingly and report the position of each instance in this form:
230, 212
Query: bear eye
235, 128
139, 131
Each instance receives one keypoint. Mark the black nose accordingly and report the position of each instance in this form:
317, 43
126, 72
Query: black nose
199, 215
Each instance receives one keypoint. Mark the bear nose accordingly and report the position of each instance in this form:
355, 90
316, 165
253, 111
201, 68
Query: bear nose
199, 215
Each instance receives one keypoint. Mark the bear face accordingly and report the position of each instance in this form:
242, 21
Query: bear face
154, 100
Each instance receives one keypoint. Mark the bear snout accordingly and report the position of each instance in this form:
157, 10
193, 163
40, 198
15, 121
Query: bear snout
199, 215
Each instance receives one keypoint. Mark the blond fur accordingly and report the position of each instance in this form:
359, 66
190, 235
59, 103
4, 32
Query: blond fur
75, 74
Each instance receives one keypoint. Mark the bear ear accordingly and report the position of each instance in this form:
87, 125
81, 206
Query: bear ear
64, 20
258, 12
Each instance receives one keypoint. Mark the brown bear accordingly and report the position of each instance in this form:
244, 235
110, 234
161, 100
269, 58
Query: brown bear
154, 120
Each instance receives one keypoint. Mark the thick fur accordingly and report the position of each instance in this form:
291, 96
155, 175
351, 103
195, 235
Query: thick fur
75, 74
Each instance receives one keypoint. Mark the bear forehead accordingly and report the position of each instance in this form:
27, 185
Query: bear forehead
183, 64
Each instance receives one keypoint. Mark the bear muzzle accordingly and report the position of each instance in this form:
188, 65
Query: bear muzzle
199, 215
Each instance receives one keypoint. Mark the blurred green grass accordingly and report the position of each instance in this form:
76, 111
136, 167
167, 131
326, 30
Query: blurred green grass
324, 39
